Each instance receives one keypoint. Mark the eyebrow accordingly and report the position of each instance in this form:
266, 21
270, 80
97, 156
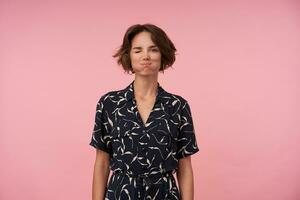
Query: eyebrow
152, 46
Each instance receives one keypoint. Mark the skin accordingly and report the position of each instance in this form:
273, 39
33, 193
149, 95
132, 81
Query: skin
143, 50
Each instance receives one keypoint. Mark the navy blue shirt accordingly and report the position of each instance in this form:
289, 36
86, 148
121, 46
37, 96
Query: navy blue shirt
139, 148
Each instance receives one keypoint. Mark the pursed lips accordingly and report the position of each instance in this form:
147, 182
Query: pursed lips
146, 64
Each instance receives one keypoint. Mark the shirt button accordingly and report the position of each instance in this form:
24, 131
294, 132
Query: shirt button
144, 131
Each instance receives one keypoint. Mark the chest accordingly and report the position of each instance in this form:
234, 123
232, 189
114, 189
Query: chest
144, 123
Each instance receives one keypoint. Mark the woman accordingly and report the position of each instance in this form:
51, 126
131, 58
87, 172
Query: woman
143, 133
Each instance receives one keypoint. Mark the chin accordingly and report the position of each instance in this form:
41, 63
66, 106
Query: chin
146, 73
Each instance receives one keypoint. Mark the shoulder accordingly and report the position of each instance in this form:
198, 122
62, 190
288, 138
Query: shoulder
111, 97
106, 96
175, 98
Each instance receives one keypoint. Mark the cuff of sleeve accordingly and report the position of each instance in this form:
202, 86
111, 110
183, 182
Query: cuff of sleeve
186, 154
99, 146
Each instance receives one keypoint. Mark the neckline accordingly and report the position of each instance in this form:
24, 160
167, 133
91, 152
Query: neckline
129, 91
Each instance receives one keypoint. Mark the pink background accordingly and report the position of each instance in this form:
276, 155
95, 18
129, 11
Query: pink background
238, 66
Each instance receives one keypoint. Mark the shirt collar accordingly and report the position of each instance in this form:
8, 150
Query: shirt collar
129, 91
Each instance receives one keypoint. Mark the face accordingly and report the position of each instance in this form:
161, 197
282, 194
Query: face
145, 55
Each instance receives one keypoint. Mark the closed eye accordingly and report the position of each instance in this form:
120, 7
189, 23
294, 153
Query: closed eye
155, 50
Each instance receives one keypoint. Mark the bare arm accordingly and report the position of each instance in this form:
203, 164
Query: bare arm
100, 176
185, 178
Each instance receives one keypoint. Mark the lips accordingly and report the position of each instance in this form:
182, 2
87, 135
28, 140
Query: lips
146, 64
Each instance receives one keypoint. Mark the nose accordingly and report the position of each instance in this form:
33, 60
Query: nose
146, 56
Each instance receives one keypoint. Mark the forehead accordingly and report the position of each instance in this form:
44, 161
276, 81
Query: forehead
142, 38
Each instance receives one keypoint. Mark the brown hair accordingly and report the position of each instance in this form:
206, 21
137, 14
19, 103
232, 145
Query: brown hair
159, 38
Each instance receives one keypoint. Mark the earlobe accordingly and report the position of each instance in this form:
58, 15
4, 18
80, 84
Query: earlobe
130, 71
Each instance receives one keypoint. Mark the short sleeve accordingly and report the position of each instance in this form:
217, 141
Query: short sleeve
187, 143
100, 137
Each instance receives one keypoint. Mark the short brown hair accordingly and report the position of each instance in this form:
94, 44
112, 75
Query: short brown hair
158, 36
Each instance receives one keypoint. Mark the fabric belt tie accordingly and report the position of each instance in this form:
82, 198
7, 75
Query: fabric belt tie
148, 179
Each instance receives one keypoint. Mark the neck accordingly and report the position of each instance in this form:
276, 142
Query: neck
145, 87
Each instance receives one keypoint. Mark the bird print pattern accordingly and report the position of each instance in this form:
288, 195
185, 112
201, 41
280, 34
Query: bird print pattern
143, 156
